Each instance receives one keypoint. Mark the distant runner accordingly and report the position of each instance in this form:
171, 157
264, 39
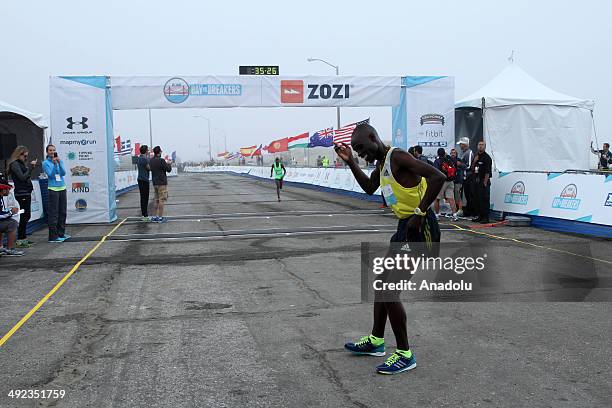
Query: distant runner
409, 186
279, 171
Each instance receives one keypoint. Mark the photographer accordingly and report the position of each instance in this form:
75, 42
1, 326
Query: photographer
7, 224
56, 217
20, 172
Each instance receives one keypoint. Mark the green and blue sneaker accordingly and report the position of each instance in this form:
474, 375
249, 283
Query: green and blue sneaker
367, 345
398, 362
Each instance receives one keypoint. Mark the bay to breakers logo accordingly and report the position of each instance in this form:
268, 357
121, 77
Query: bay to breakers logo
567, 199
517, 194
177, 90
432, 119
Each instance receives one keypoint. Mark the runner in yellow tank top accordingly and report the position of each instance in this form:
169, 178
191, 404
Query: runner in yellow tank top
409, 187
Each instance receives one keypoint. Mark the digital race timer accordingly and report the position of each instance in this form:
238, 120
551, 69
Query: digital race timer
258, 70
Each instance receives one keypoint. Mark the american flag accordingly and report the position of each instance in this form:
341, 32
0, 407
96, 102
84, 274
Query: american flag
343, 135
126, 147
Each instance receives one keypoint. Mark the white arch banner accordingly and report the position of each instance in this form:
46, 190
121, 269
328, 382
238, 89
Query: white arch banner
210, 91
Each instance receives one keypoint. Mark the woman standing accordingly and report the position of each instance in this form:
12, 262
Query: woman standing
20, 171
56, 214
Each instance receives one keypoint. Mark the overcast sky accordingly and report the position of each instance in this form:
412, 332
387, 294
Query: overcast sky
564, 44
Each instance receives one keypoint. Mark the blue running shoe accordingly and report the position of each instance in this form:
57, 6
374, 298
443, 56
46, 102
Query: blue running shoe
365, 347
396, 363
65, 237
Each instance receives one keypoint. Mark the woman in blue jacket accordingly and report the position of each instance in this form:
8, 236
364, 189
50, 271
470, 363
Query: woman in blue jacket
57, 207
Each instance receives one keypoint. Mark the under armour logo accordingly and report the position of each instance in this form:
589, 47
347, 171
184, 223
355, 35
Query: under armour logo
82, 123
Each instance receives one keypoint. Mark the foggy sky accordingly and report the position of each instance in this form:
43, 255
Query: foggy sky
563, 44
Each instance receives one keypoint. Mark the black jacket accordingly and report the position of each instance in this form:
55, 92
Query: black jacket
159, 168
21, 176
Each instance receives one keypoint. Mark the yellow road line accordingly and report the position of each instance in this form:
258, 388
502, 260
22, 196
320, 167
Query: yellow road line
57, 286
532, 244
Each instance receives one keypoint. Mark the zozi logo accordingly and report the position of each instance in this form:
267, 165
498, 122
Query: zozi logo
72, 123
517, 194
327, 91
80, 187
567, 199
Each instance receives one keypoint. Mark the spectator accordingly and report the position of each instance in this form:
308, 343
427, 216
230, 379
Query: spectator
7, 224
444, 163
159, 167
143, 181
21, 172
457, 184
481, 168
605, 156
464, 162
325, 161
319, 161
418, 153
54, 168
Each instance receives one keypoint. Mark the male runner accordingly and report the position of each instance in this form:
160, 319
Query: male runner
279, 171
410, 186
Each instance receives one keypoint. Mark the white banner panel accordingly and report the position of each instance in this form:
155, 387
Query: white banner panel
572, 196
253, 91
82, 133
519, 193
602, 210
430, 109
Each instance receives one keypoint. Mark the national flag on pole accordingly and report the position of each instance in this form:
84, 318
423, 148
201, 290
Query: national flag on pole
118, 143
247, 151
126, 147
280, 145
173, 156
257, 152
323, 138
343, 135
299, 141
231, 156
224, 154
136, 149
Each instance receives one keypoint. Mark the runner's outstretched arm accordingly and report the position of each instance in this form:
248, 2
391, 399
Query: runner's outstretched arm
368, 184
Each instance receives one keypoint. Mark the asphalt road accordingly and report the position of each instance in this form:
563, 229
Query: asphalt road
239, 300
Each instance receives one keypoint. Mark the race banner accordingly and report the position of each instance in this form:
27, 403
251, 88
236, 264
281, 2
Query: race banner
429, 120
81, 130
253, 91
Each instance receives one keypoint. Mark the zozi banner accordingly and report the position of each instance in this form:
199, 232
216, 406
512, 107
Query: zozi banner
253, 91
81, 130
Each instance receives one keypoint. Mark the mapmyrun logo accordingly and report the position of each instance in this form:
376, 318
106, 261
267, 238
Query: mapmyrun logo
177, 90
82, 142
80, 205
82, 187
432, 119
517, 194
567, 199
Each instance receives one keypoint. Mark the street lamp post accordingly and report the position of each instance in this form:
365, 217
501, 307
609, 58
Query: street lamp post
209, 144
337, 73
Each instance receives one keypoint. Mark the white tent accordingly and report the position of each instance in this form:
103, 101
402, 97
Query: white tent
528, 126
38, 119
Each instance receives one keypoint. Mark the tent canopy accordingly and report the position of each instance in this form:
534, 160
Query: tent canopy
513, 86
36, 118
530, 127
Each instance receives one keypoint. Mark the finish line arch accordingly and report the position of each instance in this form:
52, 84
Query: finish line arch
81, 113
